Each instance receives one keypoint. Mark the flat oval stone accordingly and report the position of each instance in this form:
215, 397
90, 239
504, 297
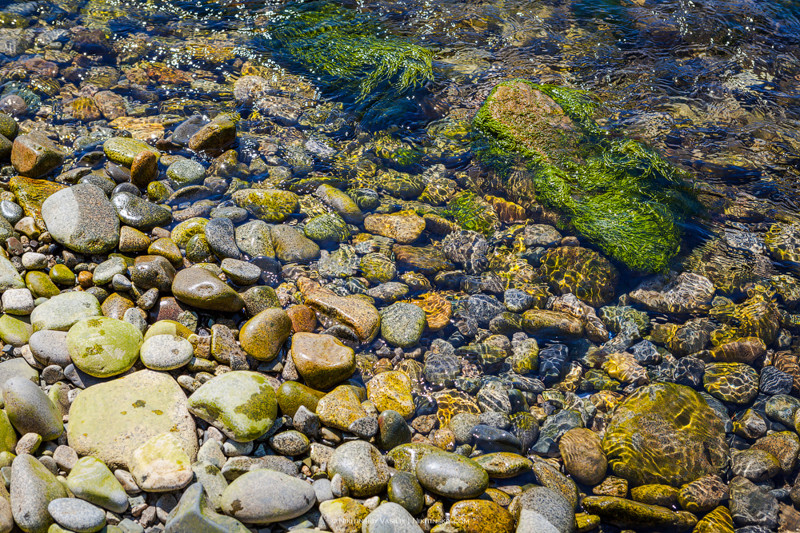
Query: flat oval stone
32, 489
479, 516
270, 205
123, 150
501, 465
62, 311
452, 476
402, 324
240, 403
82, 219
30, 410
166, 352
103, 347
582, 452
140, 213
77, 515
390, 517
362, 467
91, 480
263, 335
161, 464
322, 360
202, 289
266, 496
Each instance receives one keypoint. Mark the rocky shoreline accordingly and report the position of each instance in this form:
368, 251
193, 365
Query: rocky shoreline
262, 318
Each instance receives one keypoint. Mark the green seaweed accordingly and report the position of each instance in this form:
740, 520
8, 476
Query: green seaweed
619, 195
348, 52
472, 212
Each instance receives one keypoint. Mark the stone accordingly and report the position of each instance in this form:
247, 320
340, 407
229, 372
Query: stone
140, 213
341, 203
103, 347
404, 227
731, 382
629, 514
480, 516
200, 288
160, 464
146, 404
402, 324
542, 509
452, 476
166, 352
32, 489
14, 331
77, 515
404, 489
266, 496
263, 335
343, 515
361, 466
755, 465
580, 271
34, 155
215, 136
355, 313
582, 452
391, 390
152, 272
239, 403
269, 205
646, 442
291, 246
123, 150
144, 168
91, 480
688, 293
30, 410
502, 465
751, 505
9, 277
82, 219
255, 239
341, 408
322, 360
193, 514
390, 517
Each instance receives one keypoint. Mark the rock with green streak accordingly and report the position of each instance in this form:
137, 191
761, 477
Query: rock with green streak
9, 277
665, 433
41, 285
241, 404
629, 514
293, 395
263, 335
14, 331
351, 54
193, 514
91, 480
60, 274
62, 311
31, 193
145, 404
183, 232
8, 437
270, 205
544, 145
103, 347
472, 212
327, 229
123, 150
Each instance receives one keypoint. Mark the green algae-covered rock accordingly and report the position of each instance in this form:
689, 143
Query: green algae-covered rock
110, 420
103, 347
329, 228
193, 513
630, 514
91, 480
32, 488
545, 147
14, 331
270, 205
123, 150
241, 404
583, 272
8, 437
62, 311
717, 521
293, 395
349, 54
472, 212
665, 433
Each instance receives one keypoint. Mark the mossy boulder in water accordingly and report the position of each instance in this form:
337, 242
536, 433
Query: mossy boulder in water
665, 433
544, 146
472, 212
580, 271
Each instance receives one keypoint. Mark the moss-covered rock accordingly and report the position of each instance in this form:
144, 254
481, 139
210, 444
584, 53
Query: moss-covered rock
472, 212
665, 433
544, 146
583, 272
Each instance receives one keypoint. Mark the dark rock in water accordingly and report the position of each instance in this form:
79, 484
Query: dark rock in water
773, 381
187, 128
553, 363
467, 248
689, 371
484, 308
490, 439
552, 430
751, 505
645, 353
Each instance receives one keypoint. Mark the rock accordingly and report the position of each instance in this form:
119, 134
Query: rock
744, 350
582, 452
32, 489
542, 509
755, 465
784, 446
200, 288
269, 205
402, 324
221, 237
77, 515
123, 150
293, 395
263, 335
425, 260
139, 213
30, 410
322, 360
146, 404
731, 382
184, 172
404, 227
152, 272
341, 408
341, 203
327, 229
688, 293
82, 219
580, 271
254, 239
360, 316
629, 514
266, 496
343, 515
166, 352
502, 465
717, 521
479, 516
544, 323
751, 505
34, 155
390, 518
160, 464
452, 476
361, 466
91, 480
646, 443
103, 347
9, 277
405, 490
215, 136
391, 390
240, 403
144, 168
193, 514
291, 246
702, 495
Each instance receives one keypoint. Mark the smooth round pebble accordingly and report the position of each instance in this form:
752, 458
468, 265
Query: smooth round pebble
165, 352
77, 515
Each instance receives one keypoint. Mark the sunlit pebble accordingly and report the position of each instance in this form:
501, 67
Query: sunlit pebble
13, 104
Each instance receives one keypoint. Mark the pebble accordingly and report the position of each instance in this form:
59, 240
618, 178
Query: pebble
361, 466
402, 324
390, 517
166, 352
202, 289
91, 480
30, 410
452, 476
32, 489
160, 464
77, 515
82, 219
103, 347
266, 496
322, 360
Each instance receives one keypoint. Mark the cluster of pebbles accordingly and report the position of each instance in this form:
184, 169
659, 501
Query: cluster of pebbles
250, 321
